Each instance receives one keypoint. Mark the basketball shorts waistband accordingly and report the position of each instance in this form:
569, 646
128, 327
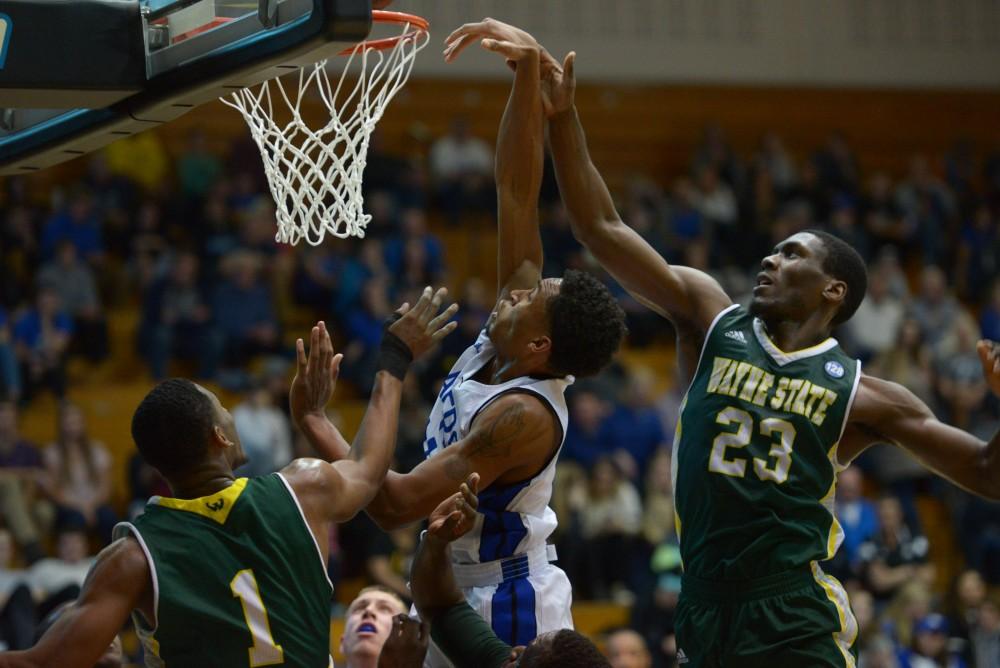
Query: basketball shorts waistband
501, 570
751, 589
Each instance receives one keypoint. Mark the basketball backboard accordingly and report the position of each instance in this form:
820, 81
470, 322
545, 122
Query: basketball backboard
76, 76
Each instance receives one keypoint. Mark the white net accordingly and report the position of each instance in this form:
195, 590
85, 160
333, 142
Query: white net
315, 176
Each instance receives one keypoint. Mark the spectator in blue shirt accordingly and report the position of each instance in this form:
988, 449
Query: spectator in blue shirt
989, 319
587, 436
78, 223
634, 426
244, 310
930, 646
41, 337
177, 321
10, 374
857, 515
364, 333
413, 228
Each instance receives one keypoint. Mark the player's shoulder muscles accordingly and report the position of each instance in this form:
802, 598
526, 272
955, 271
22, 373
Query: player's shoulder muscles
123, 563
315, 482
881, 405
512, 434
705, 297
883, 411
118, 583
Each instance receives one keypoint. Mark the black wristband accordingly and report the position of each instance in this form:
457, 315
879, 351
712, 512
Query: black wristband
394, 355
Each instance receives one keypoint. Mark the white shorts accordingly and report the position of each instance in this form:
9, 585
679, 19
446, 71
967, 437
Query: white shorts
519, 609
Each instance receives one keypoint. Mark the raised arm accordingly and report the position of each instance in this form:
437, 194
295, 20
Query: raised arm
684, 295
518, 171
508, 441
118, 583
338, 490
887, 412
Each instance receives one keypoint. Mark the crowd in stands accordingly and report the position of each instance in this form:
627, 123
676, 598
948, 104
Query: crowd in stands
186, 241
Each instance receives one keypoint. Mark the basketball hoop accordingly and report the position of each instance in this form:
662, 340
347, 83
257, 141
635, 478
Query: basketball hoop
315, 176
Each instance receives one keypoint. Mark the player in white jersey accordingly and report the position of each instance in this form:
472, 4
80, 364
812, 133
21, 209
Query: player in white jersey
501, 410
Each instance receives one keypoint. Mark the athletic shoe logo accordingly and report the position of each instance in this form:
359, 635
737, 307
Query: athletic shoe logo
681, 656
834, 369
736, 335
215, 506
6, 28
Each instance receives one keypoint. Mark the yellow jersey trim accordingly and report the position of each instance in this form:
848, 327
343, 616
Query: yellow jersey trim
848, 633
214, 506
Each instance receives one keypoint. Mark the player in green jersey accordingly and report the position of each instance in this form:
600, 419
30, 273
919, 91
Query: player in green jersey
232, 572
773, 412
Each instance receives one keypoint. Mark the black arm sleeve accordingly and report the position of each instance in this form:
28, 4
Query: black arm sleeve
466, 639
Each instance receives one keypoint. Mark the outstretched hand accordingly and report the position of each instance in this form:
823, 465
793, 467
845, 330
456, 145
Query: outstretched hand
455, 516
422, 326
514, 44
989, 355
315, 374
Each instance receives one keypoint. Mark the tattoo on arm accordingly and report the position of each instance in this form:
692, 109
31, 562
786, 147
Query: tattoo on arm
493, 441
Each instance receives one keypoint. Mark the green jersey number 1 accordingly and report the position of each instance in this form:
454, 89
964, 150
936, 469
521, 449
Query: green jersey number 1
264, 652
780, 431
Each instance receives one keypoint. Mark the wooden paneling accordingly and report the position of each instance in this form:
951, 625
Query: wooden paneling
654, 129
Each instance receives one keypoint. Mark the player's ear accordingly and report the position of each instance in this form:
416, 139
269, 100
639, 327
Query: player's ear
540, 344
835, 292
220, 437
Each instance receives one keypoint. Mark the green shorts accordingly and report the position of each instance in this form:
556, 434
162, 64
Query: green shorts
795, 619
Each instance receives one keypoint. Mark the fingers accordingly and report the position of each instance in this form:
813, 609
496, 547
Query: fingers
325, 348
404, 309
443, 317
988, 356
507, 49
487, 26
444, 331
311, 360
429, 304
473, 483
468, 492
300, 357
436, 302
443, 325
569, 64
335, 366
425, 299
451, 523
425, 631
459, 46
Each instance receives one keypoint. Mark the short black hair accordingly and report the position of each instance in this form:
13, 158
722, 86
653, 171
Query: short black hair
564, 649
845, 264
172, 426
586, 324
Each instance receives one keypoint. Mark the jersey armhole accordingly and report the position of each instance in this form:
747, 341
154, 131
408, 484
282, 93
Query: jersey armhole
708, 336
126, 530
834, 459
305, 523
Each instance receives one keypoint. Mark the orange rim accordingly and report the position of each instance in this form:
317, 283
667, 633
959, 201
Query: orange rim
418, 25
